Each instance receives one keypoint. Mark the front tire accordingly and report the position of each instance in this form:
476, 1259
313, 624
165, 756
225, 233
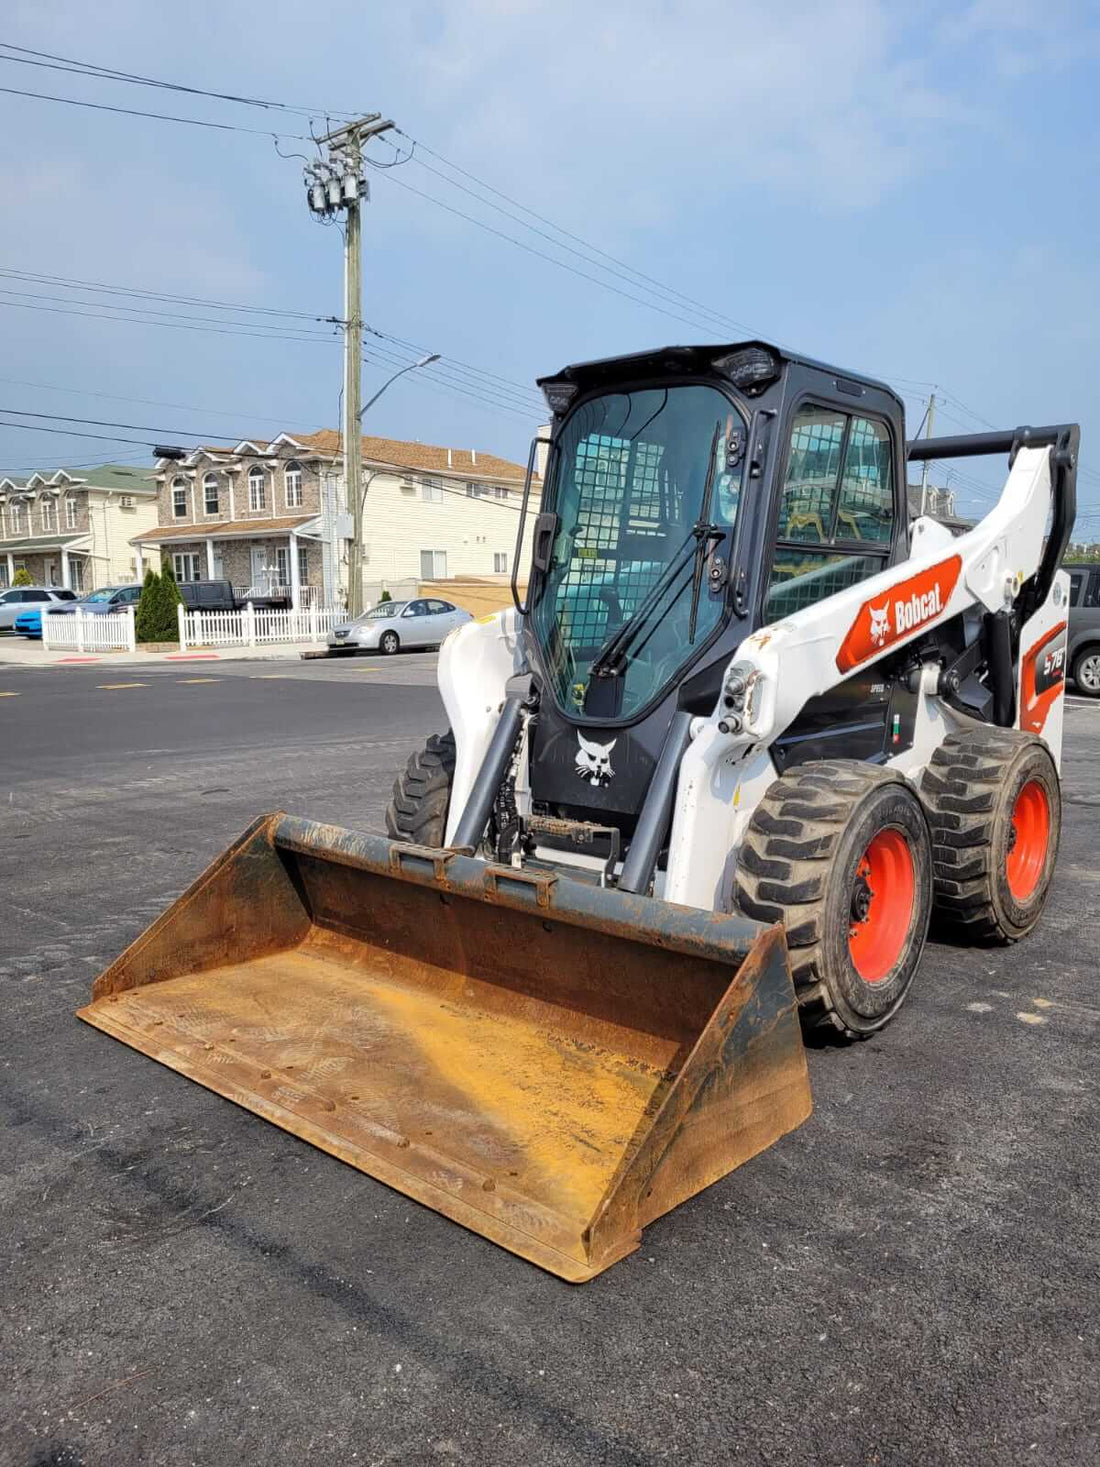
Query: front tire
840, 853
388, 643
995, 807
421, 797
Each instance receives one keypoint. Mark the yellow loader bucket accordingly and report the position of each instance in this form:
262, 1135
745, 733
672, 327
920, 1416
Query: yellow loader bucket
548, 1063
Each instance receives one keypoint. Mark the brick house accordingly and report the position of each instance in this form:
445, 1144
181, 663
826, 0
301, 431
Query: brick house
273, 516
73, 527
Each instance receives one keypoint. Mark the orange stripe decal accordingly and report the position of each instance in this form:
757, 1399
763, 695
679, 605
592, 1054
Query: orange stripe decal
894, 615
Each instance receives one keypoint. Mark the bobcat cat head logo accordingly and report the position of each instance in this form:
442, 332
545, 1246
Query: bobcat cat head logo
593, 761
880, 623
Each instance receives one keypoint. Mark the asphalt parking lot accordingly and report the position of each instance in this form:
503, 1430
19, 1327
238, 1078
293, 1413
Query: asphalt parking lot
912, 1277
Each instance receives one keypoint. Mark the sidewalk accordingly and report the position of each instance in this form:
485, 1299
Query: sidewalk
25, 652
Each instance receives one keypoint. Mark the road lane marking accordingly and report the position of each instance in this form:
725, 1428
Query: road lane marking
182, 681
9, 695
110, 687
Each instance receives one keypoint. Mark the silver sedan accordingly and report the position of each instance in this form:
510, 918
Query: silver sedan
393, 625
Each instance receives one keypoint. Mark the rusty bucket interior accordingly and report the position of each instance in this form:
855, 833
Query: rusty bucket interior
550, 1064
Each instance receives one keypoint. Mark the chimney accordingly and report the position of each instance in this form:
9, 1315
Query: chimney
473, 455
449, 463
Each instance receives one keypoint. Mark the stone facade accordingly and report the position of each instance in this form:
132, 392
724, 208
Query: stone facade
231, 478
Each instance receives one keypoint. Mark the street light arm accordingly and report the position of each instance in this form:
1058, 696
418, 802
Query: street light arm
423, 362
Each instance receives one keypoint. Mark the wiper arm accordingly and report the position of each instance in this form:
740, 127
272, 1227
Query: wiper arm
703, 532
619, 642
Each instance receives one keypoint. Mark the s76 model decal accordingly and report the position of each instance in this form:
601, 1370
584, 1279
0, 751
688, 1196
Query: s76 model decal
1042, 678
905, 608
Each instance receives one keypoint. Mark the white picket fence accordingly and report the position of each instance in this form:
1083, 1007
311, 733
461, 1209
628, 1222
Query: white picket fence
255, 627
85, 631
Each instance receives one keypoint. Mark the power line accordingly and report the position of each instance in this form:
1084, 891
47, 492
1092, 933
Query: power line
235, 330
149, 311
542, 255
158, 116
107, 73
626, 274
104, 288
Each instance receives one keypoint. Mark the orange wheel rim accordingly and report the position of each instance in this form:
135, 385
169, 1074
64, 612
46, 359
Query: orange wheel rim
1028, 840
883, 897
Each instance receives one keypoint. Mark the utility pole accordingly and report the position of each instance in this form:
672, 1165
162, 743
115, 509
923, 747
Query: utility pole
334, 185
929, 419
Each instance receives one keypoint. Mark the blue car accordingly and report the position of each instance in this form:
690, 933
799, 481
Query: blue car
28, 623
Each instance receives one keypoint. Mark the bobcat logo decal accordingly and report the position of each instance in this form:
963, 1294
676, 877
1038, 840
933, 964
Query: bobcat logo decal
593, 761
880, 623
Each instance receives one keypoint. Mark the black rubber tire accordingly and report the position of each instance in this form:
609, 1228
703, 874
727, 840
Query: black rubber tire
1091, 688
388, 643
970, 789
417, 811
798, 864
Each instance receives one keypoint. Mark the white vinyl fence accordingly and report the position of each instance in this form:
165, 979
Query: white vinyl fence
84, 631
256, 627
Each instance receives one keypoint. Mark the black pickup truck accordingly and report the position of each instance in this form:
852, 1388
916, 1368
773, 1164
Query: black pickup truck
220, 596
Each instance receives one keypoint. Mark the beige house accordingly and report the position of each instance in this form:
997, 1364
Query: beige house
73, 527
272, 517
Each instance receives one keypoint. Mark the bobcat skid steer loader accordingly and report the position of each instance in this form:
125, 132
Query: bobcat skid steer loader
706, 785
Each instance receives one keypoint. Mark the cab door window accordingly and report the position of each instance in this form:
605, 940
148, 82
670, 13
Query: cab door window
836, 511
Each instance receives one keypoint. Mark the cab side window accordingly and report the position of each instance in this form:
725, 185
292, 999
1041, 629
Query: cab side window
836, 511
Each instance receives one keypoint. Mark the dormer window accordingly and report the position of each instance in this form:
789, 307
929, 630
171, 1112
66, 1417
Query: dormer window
210, 502
179, 498
48, 515
70, 511
15, 514
257, 490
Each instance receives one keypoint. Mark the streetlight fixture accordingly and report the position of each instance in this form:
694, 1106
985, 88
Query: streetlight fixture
355, 561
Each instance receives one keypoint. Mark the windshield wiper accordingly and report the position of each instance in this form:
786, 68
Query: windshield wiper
608, 661
605, 663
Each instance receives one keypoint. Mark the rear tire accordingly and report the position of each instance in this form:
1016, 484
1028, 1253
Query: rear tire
389, 643
995, 806
417, 811
1086, 672
840, 853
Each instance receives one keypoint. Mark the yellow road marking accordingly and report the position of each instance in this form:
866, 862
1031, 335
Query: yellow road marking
1031, 1018
9, 695
183, 680
112, 686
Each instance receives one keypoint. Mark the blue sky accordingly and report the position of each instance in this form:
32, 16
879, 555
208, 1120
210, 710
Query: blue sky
907, 190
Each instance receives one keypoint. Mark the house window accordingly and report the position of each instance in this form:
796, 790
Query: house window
49, 516
500, 561
76, 572
179, 498
210, 501
125, 501
303, 566
432, 491
70, 511
186, 566
293, 478
499, 492
476, 491
16, 516
433, 565
257, 491
282, 565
